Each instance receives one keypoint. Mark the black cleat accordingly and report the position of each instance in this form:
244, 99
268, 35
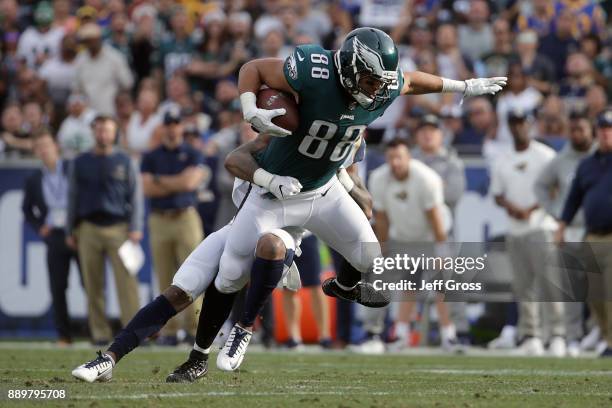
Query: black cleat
189, 371
364, 293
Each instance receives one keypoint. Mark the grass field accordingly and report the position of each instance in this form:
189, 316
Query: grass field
283, 379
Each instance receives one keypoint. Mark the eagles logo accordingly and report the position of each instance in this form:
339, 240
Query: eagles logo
292, 67
521, 166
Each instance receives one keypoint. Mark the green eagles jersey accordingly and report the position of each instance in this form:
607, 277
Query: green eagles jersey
331, 121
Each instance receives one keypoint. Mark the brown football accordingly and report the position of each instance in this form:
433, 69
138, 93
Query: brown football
272, 99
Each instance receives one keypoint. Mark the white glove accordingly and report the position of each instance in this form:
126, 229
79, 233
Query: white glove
482, 86
280, 186
261, 119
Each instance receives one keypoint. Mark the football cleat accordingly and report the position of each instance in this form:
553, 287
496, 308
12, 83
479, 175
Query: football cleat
99, 369
363, 293
231, 355
189, 371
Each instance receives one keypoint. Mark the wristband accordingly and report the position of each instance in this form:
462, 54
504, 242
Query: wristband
346, 180
451, 85
262, 178
248, 101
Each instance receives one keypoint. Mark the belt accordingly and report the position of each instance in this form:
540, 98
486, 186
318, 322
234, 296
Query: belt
601, 233
170, 212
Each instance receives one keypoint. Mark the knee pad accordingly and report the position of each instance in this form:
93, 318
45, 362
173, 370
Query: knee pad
234, 272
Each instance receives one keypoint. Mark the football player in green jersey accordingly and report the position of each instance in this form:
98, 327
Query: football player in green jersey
338, 93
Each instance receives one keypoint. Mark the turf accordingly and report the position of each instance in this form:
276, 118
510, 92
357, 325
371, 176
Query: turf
309, 380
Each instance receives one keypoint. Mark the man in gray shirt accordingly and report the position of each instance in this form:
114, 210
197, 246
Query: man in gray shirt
552, 188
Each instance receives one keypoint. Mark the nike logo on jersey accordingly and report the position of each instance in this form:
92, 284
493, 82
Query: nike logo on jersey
349, 117
299, 56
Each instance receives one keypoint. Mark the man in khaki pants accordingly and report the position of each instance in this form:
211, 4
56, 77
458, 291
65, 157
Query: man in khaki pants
592, 190
171, 175
105, 208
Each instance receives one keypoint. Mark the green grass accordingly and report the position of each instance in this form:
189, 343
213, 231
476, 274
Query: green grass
308, 380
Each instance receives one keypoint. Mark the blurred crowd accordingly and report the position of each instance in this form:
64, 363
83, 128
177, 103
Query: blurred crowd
147, 70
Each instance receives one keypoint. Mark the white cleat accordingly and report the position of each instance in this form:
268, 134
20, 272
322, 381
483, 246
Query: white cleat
590, 341
231, 355
374, 345
573, 349
100, 369
557, 347
532, 346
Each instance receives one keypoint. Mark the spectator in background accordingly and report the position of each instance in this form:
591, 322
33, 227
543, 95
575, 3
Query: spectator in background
313, 22
431, 151
513, 177
75, 135
579, 78
44, 206
177, 95
496, 62
124, 107
101, 71
59, 72
171, 175
62, 17
540, 20
176, 49
40, 42
451, 62
517, 95
30, 88
15, 140
481, 126
342, 24
557, 44
476, 37
588, 17
118, 37
143, 38
551, 121
595, 100
590, 190
591, 46
143, 123
551, 189
539, 68
240, 37
406, 186
105, 208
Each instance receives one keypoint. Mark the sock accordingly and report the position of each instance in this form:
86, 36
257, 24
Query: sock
348, 276
265, 275
402, 330
148, 321
216, 307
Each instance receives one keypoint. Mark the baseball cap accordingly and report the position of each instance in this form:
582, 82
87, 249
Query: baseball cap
43, 15
172, 116
604, 119
89, 31
428, 120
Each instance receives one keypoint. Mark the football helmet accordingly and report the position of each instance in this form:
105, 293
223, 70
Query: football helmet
368, 52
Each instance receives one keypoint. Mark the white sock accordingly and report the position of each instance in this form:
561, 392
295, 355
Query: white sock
402, 330
341, 286
200, 349
111, 357
508, 332
448, 332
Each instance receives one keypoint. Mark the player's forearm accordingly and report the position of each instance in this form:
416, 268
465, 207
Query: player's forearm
240, 161
249, 77
422, 83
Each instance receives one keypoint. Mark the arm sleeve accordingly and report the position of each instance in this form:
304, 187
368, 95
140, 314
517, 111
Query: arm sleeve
543, 185
574, 200
136, 198
71, 215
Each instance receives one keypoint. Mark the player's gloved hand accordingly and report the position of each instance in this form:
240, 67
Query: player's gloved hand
483, 86
280, 186
261, 119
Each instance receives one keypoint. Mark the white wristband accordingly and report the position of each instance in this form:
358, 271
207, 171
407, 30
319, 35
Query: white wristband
262, 178
451, 85
248, 101
346, 180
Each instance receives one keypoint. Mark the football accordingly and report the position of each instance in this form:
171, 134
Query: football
273, 99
